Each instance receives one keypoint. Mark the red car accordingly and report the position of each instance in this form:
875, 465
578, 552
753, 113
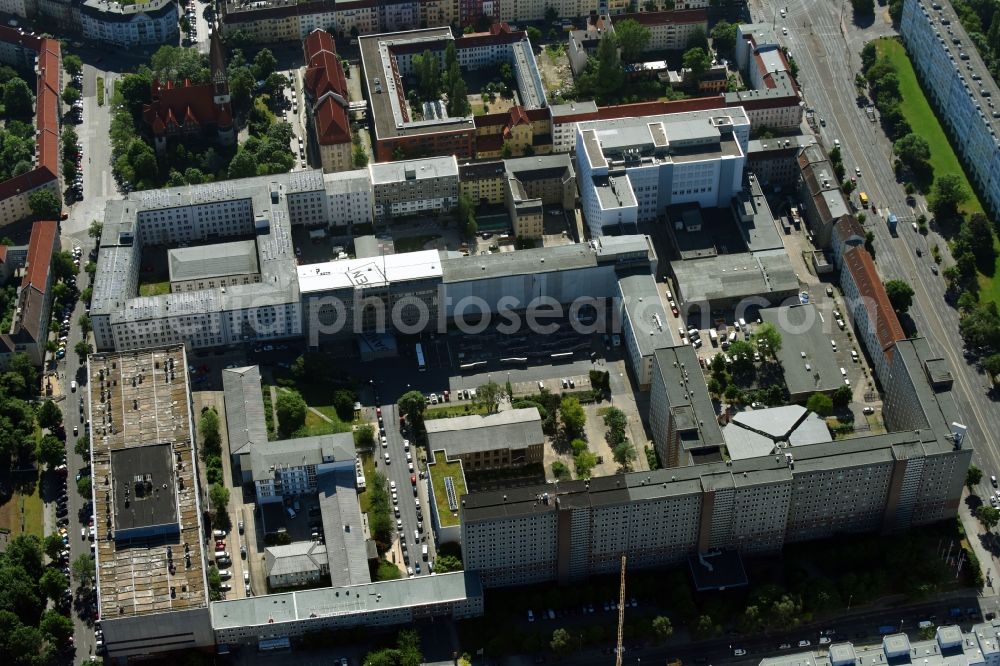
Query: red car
220, 545
413, 479
378, 411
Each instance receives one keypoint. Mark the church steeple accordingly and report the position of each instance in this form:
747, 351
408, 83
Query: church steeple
217, 62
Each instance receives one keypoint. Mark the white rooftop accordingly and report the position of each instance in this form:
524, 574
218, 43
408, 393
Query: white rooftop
369, 272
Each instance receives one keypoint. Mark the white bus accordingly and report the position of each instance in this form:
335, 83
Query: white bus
421, 364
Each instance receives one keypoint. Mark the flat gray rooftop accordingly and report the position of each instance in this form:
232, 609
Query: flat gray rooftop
509, 429
645, 312
730, 277
143, 486
687, 397
806, 355
343, 528
208, 261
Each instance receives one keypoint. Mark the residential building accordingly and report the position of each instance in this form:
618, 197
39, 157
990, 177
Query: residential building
327, 95
681, 414
414, 186
64, 13
145, 24
185, 110
152, 594
476, 13
32, 307
820, 191
510, 438
960, 87
22, 8
387, 61
350, 198
644, 324
438, 12
868, 306
631, 169
522, 131
668, 30
297, 564
847, 233
533, 183
26, 52
272, 620
245, 422
483, 182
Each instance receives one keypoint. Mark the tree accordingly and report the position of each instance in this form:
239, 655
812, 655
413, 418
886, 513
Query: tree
82, 447
364, 436
83, 570
624, 454
95, 229
863, 7
243, 165
573, 417
584, 462
980, 327
697, 61
610, 75
50, 451
53, 583
83, 349
820, 403
662, 628
724, 37
633, 39
913, 150
219, 497
489, 395
44, 204
18, 100
973, 476
534, 35
86, 326
291, 409
978, 233
214, 584
947, 195
767, 340
72, 64
49, 415
561, 642
52, 544
991, 364
446, 563
705, 627
70, 94
900, 295
83, 487
412, 406
842, 396
56, 626
343, 404
988, 516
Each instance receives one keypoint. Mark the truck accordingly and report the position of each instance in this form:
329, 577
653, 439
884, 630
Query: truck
892, 221
863, 198
423, 552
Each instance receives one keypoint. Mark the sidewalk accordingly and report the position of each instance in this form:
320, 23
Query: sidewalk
974, 532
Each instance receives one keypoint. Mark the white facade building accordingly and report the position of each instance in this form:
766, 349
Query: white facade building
153, 22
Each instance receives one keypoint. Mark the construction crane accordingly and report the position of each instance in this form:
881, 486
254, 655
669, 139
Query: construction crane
621, 615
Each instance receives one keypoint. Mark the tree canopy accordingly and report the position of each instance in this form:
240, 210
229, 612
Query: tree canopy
291, 411
900, 295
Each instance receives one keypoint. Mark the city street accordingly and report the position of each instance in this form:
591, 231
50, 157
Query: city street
827, 45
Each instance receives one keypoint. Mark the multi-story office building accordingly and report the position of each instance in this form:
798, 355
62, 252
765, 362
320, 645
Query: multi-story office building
414, 186
644, 324
961, 89
511, 438
153, 22
152, 591
26, 53
291, 467
681, 413
631, 169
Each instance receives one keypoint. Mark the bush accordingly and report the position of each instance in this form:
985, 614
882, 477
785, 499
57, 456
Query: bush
559, 470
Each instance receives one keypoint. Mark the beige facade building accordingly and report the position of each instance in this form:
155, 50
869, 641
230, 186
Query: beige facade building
511, 438
482, 182
414, 186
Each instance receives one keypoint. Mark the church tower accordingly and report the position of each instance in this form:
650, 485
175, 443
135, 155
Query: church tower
220, 84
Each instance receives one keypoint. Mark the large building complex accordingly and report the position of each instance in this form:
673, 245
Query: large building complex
387, 61
149, 552
961, 89
40, 57
630, 170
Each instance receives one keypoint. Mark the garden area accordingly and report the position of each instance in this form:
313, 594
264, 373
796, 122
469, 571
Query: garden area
308, 401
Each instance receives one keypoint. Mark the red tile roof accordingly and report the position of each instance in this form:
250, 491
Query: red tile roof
46, 114
876, 302
31, 297
327, 86
174, 106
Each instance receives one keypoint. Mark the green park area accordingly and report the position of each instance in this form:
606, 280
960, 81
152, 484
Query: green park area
917, 111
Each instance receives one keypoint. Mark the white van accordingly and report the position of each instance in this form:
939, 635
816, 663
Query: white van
843, 373
732, 337
290, 511
713, 336
743, 324
423, 552
222, 555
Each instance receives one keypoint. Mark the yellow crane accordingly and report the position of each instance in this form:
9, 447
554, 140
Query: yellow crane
621, 614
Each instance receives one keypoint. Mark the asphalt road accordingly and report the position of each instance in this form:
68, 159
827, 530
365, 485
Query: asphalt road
827, 45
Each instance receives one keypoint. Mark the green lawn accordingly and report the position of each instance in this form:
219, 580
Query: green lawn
368, 465
454, 409
11, 514
438, 471
154, 289
919, 113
